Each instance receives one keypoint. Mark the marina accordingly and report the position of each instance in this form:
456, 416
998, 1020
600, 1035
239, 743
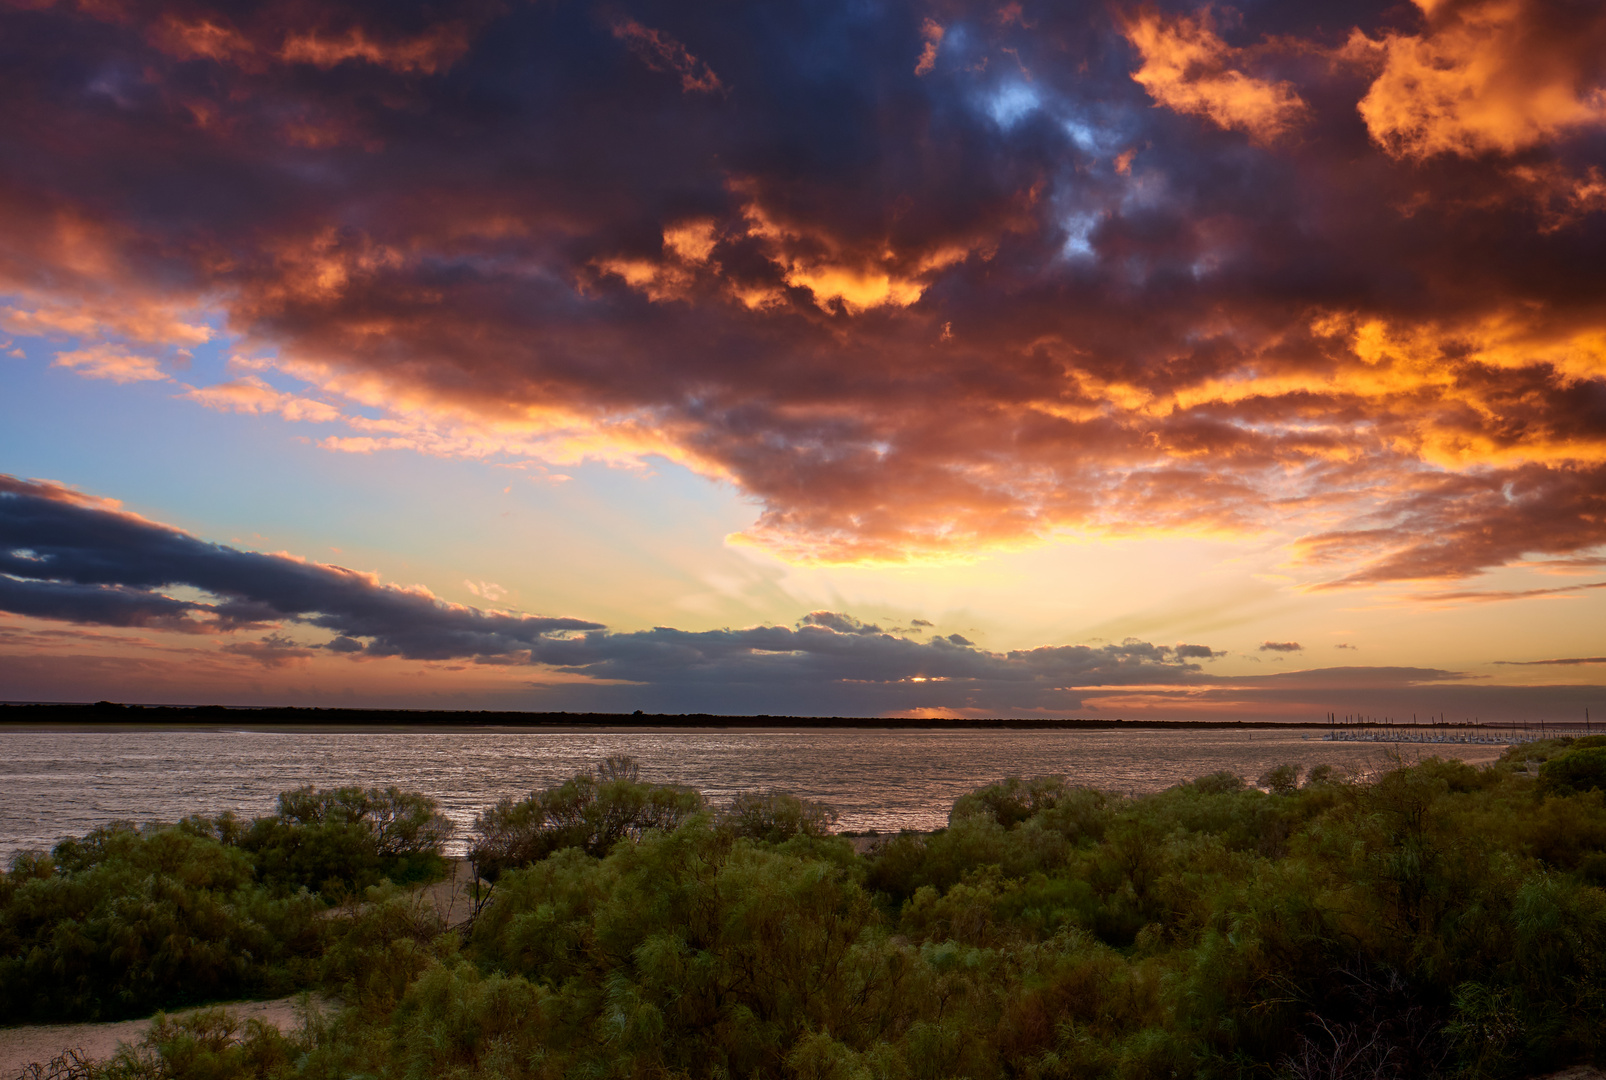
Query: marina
1351, 730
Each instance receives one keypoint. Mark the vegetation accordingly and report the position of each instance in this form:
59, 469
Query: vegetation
592, 812
128, 919
1437, 920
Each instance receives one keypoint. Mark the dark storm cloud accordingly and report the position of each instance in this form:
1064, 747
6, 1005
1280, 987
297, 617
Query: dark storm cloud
774, 654
63, 556
101, 604
919, 280
842, 624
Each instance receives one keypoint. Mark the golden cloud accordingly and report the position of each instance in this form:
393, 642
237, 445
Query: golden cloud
112, 363
1482, 77
1189, 69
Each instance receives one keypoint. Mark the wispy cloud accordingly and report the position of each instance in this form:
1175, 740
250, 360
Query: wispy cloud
1564, 662
1490, 596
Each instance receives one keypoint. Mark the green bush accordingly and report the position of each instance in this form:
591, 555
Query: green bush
592, 811
1439, 921
124, 920
1574, 771
776, 817
211, 1044
347, 839
127, 919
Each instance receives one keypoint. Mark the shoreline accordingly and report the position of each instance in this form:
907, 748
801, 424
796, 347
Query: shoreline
106, 716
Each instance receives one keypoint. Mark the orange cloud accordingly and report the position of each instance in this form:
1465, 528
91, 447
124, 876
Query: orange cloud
1482, 77
426, 54
1188, 68
153, 322
250, 394
112, 363
210, 38
852, 274
288, 32
867, 323
932, 32
1561, 195
837, 274
660, 52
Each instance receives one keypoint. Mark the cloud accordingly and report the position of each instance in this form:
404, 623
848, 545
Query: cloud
486, 590
1566, 662
101, 604
324, 37
1491, 76
145, 321
931, 32
1486, 596
842, 624
64, 556
660, 52
1281, 646
271, 651
112, 363
1350, 677
165, 615
779, 655
250, 394
1188, 68
67, 557
427, 53
1447, 526
905, 331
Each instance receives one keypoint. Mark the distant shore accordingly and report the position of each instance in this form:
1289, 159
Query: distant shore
109, 715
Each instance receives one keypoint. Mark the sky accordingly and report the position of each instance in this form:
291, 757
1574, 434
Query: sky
846, 358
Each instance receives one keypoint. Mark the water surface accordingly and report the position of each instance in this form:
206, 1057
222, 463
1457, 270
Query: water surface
64, 783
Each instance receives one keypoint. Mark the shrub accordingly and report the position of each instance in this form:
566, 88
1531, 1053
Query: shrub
129, 919
776, 817
592, 811
212, 1044
1280, 780
1441, 921
1574, 771
347, 839
1218, 783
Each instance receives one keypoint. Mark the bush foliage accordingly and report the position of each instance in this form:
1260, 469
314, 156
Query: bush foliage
1436, 921
128, 919
592, 812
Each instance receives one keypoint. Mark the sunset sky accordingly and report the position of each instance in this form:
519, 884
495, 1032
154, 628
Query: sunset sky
1102, 359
